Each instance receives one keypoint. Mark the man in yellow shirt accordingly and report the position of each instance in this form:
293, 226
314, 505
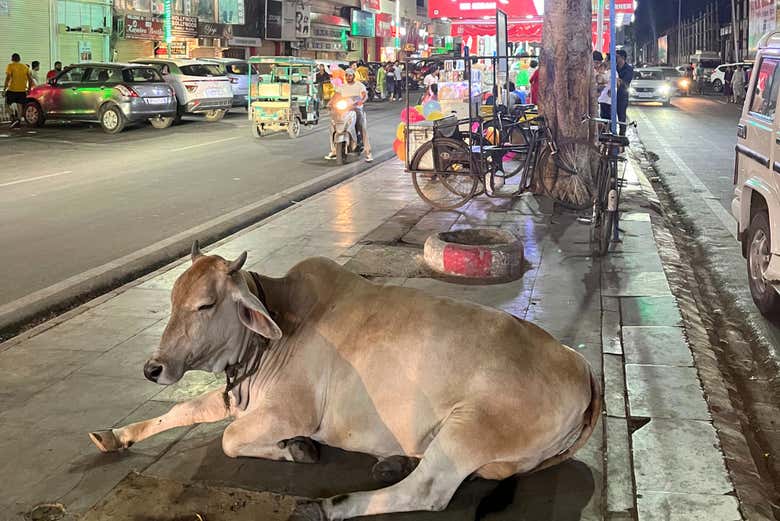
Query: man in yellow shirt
18, 81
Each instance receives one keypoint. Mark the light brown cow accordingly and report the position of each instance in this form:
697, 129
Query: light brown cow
323, 353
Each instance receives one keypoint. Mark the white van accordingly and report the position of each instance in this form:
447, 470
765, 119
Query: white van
756, 203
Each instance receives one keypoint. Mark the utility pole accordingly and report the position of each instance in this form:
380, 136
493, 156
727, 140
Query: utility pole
679, 32
734, 30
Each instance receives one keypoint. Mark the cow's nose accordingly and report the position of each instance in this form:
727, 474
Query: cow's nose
153, 370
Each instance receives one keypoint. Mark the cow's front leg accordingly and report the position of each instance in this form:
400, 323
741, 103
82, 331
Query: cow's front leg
271, 433
206, 408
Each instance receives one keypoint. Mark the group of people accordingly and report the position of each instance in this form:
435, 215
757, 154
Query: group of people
735, 81
603, 73
19, 80
390, 81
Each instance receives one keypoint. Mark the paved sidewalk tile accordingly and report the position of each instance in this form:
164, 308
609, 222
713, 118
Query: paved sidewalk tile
650, 311
664, 506
620, 485
614, 386
665, 392
659, 345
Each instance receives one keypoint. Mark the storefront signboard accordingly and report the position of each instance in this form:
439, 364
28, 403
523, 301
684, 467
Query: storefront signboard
273, 19
761, 21
211, 30
138, 27
178, 49
384, 25
302, 21
372, 6
184, 26
363, 24
231, 12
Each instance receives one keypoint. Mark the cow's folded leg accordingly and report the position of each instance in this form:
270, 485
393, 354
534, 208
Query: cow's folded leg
450, 458
209, 407
258, 436
393, 469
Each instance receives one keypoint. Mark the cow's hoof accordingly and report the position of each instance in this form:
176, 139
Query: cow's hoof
308, 511
106, 441
393, 469
303, 450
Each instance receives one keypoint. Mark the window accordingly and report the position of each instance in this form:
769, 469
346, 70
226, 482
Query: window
72, 76
77, 14
649, 75
142, 75
103, 76
764, 100
237, 68
201, 69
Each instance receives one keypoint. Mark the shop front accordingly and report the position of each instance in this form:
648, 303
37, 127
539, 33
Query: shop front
212, 39
142, 36
83, 31
329, 37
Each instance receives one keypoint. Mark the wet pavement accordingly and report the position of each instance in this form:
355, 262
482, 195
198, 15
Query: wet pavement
653, 456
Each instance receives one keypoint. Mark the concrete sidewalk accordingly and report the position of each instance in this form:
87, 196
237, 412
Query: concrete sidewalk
655, 455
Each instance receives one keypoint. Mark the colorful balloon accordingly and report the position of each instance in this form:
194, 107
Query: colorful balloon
400, 132
399, 147
411, 116
336, 82
419, 108
433, 116
431, 106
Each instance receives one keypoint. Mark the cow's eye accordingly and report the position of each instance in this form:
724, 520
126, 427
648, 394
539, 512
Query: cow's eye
204, 307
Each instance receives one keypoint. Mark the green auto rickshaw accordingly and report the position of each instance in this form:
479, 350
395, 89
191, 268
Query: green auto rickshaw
282, 95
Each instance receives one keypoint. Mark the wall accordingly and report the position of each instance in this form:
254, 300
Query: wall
27, 31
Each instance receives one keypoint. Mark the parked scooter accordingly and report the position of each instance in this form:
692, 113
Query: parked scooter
343, 129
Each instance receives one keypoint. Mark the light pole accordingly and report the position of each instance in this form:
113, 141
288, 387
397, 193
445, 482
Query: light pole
679, 32
167, 26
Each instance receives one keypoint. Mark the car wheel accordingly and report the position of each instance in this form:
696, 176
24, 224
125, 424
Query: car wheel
759, 251
161, 122
33, 114
214, 115
667, 103
717, 86
112, 120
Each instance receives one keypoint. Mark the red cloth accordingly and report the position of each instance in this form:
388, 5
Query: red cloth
52, 73
534, 82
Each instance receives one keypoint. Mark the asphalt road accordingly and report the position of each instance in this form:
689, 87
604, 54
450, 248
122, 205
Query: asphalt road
73, 198
694, 140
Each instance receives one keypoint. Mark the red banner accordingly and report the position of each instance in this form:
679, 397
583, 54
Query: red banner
370, 5
477, 9
384, 25
518, 32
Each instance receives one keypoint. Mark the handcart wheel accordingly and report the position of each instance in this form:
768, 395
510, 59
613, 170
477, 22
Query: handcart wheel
441, 174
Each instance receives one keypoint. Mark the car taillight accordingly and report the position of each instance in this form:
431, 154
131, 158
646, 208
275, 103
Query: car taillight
191, 87
127, 91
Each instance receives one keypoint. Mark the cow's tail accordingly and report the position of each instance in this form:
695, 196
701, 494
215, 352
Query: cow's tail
590, 419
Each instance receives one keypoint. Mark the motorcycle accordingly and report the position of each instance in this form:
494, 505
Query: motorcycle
343, 129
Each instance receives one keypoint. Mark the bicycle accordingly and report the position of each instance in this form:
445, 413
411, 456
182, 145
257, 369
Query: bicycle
606, 203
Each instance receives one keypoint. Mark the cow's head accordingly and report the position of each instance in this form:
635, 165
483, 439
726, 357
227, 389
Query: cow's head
213, 312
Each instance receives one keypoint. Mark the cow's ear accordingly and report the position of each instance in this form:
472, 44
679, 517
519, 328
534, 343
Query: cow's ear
254, 315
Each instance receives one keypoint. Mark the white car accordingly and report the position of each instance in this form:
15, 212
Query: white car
651, 84
718, 76
237, 71
201, 87
756, 202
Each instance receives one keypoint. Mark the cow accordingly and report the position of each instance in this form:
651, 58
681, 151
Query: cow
324, 354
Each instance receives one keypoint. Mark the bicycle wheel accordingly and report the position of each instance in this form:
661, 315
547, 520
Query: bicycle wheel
506, 164
603, 219
551, 176
441, 174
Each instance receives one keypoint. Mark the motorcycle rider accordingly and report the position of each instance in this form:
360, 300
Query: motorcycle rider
354, 89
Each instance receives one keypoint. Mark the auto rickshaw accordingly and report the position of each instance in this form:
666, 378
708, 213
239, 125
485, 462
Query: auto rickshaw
282, 95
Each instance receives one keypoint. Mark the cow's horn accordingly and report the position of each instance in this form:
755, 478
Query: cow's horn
195, 253
238, 263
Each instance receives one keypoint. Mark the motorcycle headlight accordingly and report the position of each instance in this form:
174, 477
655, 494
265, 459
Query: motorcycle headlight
684, 83
342, 104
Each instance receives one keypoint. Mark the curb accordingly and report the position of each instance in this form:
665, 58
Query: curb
503, 259
75, 290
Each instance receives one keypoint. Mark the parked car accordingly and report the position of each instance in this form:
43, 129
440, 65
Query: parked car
113, 94
201, 87
718, 76
651, 84
237, 70
756, 202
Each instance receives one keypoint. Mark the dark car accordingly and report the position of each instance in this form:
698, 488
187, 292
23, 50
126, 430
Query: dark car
114, 94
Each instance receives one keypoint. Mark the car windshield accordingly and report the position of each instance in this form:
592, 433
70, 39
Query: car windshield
142, 75
650, 75
201, 69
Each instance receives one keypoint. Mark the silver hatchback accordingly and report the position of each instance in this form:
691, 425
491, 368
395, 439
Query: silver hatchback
114, 94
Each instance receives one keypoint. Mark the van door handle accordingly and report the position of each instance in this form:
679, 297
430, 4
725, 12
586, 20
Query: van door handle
742, 131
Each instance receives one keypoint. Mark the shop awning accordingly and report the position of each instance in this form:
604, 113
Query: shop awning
519, 31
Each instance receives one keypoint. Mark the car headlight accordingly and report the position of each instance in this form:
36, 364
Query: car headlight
664, 89
631, 90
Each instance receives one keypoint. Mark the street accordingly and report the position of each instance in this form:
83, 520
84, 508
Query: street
74, 198
694, 141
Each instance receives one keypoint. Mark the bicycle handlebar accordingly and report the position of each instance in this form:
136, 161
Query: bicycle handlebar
587, 118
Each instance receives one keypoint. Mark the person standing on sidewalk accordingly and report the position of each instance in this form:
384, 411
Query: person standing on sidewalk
321, 78
738, 84
398, 72
533, 82
728, 88
35, 71
390, 81
381, 77
18, 82
625, 74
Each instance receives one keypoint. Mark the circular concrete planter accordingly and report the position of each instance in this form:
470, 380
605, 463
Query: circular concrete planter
476, 253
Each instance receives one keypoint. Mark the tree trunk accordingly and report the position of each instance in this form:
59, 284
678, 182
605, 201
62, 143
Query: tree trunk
567, 93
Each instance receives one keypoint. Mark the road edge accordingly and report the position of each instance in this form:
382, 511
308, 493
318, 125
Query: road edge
44, 304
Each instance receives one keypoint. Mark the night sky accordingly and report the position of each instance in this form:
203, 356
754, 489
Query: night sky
653, 17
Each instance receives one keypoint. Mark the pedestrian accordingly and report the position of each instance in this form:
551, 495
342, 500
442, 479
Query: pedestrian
18, 82
398, 72
390, 81
320, 79
431, 79
598, 72
55, 71
35, 70
533, 81
728, 90
699, 77
625, 74
738, 84
605, 95
381, 77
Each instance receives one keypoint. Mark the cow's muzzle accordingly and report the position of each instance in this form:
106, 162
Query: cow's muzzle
153, 370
